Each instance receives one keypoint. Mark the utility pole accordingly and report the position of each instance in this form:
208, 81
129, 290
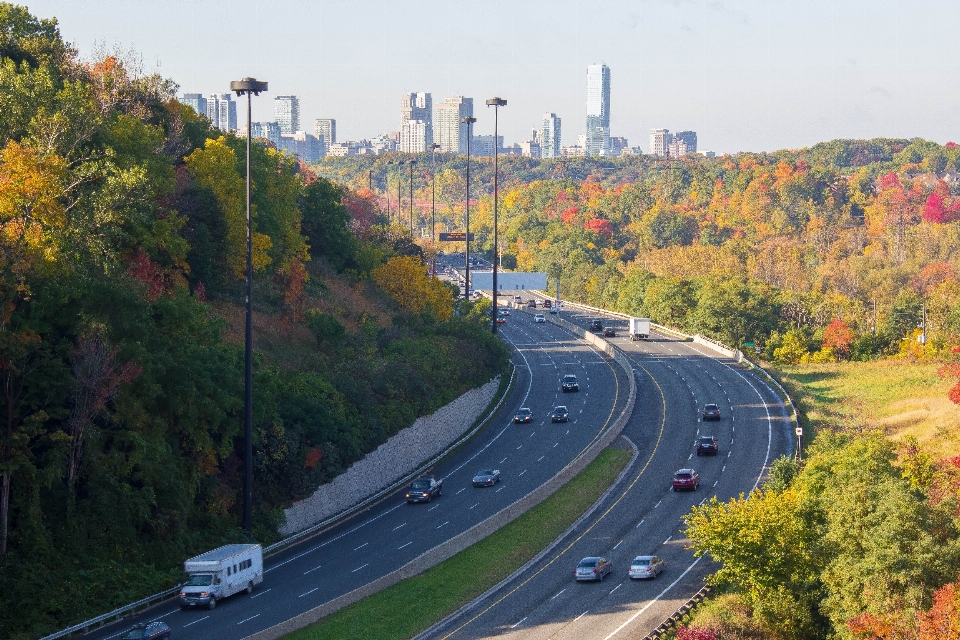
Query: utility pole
469, 120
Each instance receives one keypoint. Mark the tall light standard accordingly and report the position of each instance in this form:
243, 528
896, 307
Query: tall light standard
399, 185
433, 203
496, 103
250, 87
468, 120
412, 162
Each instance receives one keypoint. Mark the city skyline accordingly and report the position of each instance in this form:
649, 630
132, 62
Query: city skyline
749, 76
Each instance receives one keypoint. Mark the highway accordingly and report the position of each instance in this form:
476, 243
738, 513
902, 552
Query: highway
391, 533
642, 516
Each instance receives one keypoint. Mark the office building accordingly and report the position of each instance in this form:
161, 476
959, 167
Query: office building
414, 136
550, 136
384, 143
325, 129
306, 147
572, 151
530, 149
196, 101
222, 111
484, 145
617, 145
449, 132
267, 130
689, 139
598, 110
416, 108
660, 140
286, 111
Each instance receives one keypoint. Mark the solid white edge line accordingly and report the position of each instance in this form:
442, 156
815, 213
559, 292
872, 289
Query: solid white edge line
656, 599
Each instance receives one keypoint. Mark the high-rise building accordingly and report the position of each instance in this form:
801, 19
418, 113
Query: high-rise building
530, 149
598, 109
222, 111
689, 139
660, 140
484, 145
414, 136
268, 130
325, 129
286, 111
449, 132
617, 144
304, 145
550, 136
416, 107
197, 101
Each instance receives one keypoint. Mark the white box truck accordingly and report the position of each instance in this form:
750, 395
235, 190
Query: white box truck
220, 573
639, 328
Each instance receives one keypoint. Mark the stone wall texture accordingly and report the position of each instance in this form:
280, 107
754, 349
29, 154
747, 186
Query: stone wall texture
396, 458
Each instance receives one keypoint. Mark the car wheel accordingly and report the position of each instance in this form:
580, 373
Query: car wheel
250, 587
698, 454
439, 492
600, 579
213, 603
696, 487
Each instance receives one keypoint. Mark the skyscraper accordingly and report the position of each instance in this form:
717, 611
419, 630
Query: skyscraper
197, 101
550, 136
689, 139
416, 107
222, 111
451, 132
286, 111
326, 128
598, 109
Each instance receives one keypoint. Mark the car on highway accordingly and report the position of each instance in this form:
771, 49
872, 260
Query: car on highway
592, 568
147, 631
609, 332
707, 446
500, 318
554, 311
547, 304
486, 478
686, 479
645, 567
423, 489
560, 414
710, 412
569, 383
523, 416
539, 318
517, 299
596, 325
532, 303
504, 311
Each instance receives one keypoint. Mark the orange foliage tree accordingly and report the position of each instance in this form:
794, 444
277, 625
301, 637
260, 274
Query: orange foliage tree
405, 279
838, 336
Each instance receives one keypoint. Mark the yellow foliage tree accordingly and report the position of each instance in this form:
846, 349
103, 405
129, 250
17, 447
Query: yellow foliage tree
215, 167
405, 279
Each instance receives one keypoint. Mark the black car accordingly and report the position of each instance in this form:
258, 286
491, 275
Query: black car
560, 414
148, 631
609, 332
710, 412
596, 324
569, 383
523, 416
707, 446
423, 489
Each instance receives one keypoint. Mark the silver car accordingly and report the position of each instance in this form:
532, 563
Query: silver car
593, 568
486, 478
645, 567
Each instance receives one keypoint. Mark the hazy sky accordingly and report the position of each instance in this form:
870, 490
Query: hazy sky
745, 75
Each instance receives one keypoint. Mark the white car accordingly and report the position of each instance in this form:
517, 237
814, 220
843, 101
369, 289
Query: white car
539, 318
645, 567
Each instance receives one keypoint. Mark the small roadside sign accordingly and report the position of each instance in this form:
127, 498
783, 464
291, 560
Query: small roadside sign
799, 431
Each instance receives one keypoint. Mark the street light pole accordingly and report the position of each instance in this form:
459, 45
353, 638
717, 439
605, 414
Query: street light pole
433, 203
250, 87
496, 103
412, 162
469, 120
399, 185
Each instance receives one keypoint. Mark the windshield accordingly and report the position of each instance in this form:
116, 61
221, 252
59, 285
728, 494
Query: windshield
523, 412
588, 563
641, 562
569, 378
560, 410
135, 634
706, 440
683, 476
485, 472
421, 484
199, 580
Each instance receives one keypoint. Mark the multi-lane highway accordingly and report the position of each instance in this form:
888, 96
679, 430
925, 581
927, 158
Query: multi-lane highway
642, 516
392, 533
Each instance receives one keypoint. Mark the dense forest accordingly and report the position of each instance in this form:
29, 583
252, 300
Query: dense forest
763, 248
122, 252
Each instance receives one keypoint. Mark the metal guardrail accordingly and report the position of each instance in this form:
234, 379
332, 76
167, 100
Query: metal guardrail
117, 614
678, 615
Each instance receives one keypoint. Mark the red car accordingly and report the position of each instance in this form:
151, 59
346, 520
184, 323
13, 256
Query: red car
609, 332
686, 479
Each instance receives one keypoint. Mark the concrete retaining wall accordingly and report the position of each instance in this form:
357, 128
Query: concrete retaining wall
394, 459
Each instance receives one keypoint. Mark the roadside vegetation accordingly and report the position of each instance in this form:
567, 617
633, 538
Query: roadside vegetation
413, 605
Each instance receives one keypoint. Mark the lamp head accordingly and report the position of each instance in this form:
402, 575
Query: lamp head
496, 102
248, 85
468, 119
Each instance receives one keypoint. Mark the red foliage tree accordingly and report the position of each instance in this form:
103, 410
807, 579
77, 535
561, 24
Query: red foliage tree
952, 370
148, 273
361, 209
293, 296
695, 633
933, 275
838, 336
600, 226
569, 215
942, 621
869, 626
934, 210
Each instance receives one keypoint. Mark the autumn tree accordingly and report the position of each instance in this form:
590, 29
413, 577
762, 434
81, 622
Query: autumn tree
407, 282
838, 337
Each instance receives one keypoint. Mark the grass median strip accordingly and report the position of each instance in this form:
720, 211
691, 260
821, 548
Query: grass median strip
407, 608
